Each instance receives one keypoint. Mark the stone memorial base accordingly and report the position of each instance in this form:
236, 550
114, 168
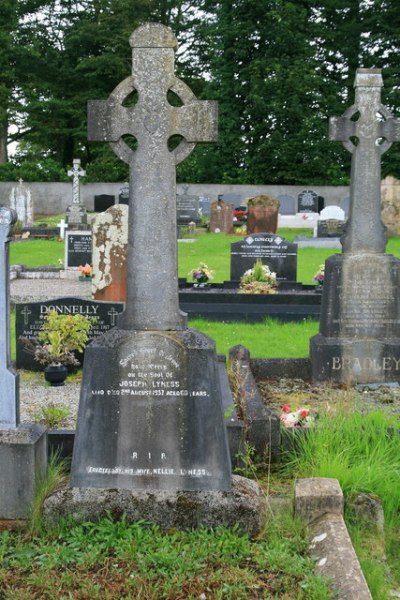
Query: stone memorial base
243, 506
359, 339
150, 414
23, 459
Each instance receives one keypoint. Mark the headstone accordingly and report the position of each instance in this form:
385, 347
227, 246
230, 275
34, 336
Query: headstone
150, 414
21, 202
359, 339
262, 215
345, 205
231, 198
29, 318
123, 197
390, 190
23, 448
221, 217
307, 201
9, 398
204, 205
187, 207
62, 226
78, 248
321, 203
273, 250
287, 204
102, 202
331, 222
110, 253
76, 215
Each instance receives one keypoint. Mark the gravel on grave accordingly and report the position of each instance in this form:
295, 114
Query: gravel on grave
35, 394
320, 398
39, 290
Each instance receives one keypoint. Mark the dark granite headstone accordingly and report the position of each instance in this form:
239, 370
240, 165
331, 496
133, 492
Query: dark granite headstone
204, 205
103, 201
29, 318
359, 338
273, 250
307, 201
123, 197
287, 205
78, 248
187, 208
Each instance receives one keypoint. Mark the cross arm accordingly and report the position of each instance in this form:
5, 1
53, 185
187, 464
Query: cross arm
197, 121
391, 129
107, 120
341, 129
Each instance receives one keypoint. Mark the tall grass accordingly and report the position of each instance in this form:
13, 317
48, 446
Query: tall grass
362, 451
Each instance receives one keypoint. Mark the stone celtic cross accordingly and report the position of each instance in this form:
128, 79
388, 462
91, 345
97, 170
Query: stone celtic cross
9, 397
152, 290
367, 138
76, 172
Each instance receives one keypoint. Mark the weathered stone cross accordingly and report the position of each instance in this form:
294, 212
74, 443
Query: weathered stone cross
76, 172
374, 131
9, 395
152, 290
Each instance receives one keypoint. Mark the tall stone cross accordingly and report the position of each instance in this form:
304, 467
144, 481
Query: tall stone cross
152, 286
9, 396
76, 172
367, 138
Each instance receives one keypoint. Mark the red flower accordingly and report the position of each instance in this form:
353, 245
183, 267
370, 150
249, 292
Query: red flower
304, 413
286, 408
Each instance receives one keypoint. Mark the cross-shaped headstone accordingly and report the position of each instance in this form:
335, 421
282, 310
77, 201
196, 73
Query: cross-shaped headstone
62, 225
76, 172
152, 285
9, 396
367, 138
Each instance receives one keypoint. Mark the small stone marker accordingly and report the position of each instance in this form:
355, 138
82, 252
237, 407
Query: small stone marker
262, 215
221, 217
78, 248
273, 250
21, 202
76, 215
110, 251
331, 222
150, 414
307, 201
23, 448
9, 404
359, 339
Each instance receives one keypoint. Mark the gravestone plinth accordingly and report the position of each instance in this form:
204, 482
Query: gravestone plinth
262, 215
23, 462
151, 414
359, 339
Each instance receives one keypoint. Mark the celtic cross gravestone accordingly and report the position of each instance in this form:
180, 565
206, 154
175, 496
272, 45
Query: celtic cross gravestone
359, 339
76, 213
150, 414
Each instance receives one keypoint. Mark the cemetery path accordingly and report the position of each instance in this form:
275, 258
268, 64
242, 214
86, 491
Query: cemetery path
36, 290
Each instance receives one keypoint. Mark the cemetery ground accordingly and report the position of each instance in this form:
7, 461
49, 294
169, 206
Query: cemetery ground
110, 560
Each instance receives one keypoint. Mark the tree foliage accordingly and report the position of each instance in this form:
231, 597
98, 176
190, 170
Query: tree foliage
278, 69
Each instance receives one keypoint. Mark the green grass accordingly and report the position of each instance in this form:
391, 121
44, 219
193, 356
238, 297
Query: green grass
362, 452
269, 339
37, 253
110, 560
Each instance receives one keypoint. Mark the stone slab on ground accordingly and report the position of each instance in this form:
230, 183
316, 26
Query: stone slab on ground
319, 502
244, 505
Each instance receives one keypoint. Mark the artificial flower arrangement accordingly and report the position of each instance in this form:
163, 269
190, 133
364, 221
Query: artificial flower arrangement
201, 274
319, 276
296, 418
258, 280
85, 272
